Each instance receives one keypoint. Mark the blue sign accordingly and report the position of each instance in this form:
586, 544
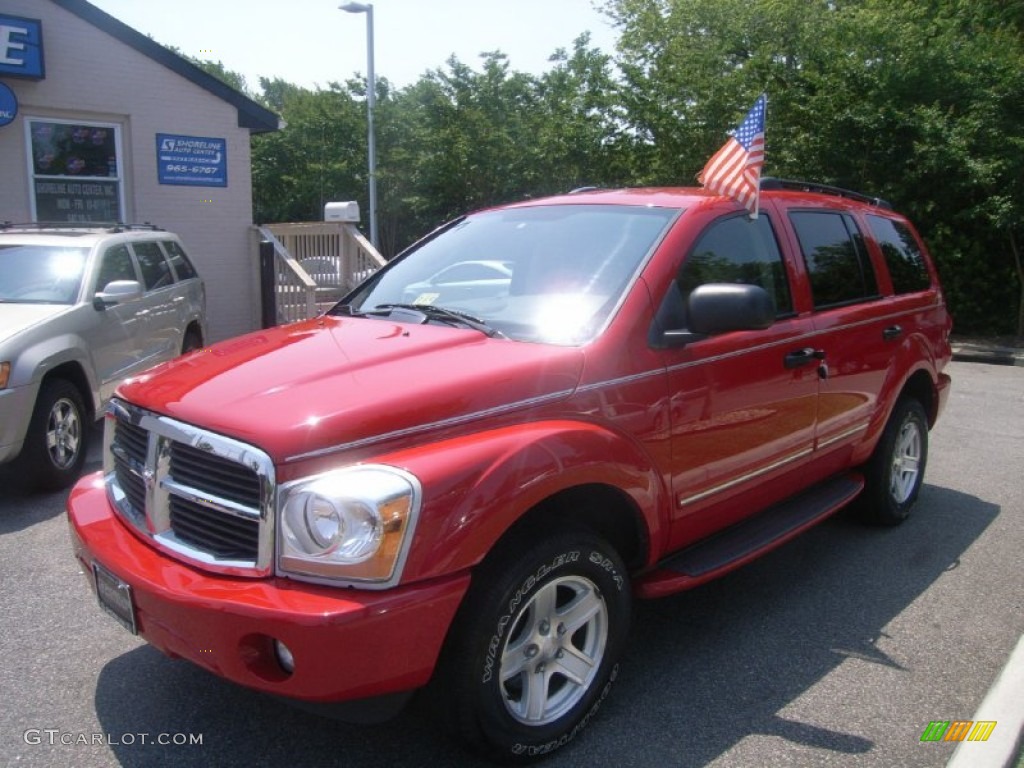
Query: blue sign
196, 161
8, 105
21, 47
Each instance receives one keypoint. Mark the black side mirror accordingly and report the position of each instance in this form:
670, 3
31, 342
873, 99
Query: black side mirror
722, 307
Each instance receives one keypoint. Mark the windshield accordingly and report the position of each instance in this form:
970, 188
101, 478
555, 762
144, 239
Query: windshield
547, 273
41, 274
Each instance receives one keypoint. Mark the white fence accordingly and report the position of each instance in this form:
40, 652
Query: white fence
315, 264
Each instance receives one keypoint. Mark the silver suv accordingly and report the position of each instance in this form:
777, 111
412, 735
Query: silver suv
81, 309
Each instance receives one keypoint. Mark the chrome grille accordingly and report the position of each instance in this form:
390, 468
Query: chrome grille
133, 439
202, 497
223, 536
221, 477
134, 488
129, 464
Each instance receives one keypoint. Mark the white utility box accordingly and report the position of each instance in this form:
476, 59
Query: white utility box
347, 211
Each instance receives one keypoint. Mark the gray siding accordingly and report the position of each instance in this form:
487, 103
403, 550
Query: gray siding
92, 76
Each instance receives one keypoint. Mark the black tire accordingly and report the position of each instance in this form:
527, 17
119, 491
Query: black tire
896, 469
511, 634
54, 450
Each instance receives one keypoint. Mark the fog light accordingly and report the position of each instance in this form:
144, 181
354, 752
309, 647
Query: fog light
284, 657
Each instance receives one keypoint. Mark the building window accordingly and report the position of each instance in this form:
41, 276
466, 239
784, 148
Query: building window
75, 170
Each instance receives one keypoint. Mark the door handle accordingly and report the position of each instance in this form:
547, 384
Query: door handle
803, 357
892, 332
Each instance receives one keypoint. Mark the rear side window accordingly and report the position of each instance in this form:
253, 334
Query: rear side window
837, 261
738, 250
902, 254
182, 266
156, 272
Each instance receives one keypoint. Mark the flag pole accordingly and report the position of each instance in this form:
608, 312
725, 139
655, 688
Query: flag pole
735, 169
757, 195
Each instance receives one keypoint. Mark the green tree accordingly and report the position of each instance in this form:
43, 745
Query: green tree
919, 101
217, 69
222, 73
461, 139
578, 134
317, 157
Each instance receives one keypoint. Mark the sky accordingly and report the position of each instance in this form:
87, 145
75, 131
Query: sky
312, 43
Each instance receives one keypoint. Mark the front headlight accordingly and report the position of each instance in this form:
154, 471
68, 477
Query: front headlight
353, 524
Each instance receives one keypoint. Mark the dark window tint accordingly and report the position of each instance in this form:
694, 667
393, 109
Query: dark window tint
836, 259
902, 254
738, 250
182, 266
156, 272
116, 265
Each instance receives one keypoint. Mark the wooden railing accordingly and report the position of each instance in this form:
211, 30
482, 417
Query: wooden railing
315, 264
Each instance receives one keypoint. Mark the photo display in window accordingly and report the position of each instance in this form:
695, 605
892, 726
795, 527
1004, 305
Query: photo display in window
71, 149
75, 169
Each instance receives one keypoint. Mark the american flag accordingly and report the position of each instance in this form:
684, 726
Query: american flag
735, 169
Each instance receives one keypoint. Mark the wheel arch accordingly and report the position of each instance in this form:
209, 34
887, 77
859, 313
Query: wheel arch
193, 328
921, 387
919, 383
602, 508
64, 356
73, 373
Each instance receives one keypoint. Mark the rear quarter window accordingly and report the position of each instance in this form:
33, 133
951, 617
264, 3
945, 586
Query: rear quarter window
903, 255
182, 266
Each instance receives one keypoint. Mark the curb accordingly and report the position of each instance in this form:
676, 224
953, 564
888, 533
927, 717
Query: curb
970, 353
1004, 705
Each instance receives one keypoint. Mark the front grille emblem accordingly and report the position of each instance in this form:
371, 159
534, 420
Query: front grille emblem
149, 478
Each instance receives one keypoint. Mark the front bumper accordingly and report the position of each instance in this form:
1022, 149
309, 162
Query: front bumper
16, 404
347, 643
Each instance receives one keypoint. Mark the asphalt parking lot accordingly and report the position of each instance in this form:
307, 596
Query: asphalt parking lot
836, 650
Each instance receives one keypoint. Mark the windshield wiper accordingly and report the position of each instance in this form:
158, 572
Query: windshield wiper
445, 315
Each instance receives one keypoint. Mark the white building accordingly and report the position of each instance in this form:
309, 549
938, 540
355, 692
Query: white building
100, 123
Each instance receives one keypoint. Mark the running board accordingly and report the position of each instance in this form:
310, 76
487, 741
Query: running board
749, 539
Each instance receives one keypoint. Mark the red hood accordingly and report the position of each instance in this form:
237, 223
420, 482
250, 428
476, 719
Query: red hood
333, 381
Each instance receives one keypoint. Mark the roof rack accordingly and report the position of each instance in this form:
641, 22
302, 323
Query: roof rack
770, 182
581, 190
109, 226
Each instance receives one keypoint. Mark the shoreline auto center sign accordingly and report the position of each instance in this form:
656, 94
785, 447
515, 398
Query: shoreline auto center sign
21, 47
8, 105
198, 161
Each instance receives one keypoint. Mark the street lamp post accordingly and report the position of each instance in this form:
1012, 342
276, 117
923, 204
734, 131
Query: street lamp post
371, 102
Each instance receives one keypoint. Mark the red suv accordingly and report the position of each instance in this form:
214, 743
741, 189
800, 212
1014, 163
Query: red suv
466, 483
